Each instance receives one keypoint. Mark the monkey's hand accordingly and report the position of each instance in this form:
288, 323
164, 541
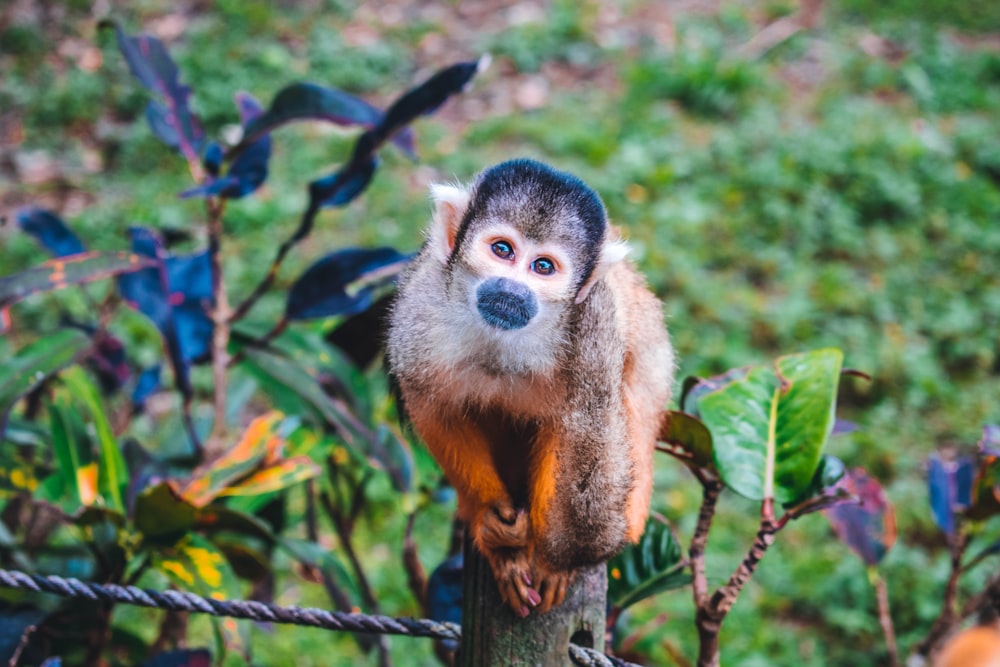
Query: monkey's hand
501, 533
503, 526
552, 585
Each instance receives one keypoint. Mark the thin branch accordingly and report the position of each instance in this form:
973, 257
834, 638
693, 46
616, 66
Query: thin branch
21, 645
710, 613
885, 620
949, 616
220, 331
416, 577
711, 489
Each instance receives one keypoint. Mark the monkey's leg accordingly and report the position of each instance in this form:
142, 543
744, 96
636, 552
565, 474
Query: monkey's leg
499, 530
551, 582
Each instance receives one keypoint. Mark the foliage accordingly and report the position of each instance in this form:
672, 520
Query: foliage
840, 190
203, 517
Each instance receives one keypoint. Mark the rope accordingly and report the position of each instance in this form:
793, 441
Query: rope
263, 612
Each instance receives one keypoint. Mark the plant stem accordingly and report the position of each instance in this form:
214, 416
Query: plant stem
220, 331
948, 617
416, 577
711, 489
885, 619
711, 613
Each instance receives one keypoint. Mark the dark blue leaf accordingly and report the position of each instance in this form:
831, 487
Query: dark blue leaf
212, 159
949, 485
175, 295
171, 118
14, 621
50, 231
360, 336
342, 283
428, 96
341, 188
146, 385
309, 101
109, 362
249, 170
444, 593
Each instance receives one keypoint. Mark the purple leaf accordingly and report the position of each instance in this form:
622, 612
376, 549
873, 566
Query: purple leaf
949, 486
170, 119
248, 171
868, 526
342, 283
50, 231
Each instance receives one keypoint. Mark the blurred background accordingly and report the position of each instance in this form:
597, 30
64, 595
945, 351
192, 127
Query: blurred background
791, 175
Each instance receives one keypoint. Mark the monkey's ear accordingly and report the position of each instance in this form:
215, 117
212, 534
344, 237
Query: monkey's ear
612, 252
450, 202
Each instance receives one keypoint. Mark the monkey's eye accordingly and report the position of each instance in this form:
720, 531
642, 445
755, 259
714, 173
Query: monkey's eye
502, 249
543, 266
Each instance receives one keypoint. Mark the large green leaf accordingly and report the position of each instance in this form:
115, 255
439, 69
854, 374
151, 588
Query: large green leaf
769, 426
63, 272
34, 363
652, 566
112, 472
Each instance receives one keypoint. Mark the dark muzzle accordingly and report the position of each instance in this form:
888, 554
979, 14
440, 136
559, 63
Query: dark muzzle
506, 304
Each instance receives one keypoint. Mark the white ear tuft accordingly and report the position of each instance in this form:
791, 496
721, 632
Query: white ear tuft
450, 202
612, 252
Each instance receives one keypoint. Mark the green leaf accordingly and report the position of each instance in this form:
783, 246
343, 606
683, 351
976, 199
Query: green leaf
34, 363
112, 473
652, 566
692, 436
260, 438
195, 564
273, 478
769, 426
63, 272
161, 515
315, 555
383, 450
72, 452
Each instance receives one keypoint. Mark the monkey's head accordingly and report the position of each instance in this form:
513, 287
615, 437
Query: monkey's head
522, 245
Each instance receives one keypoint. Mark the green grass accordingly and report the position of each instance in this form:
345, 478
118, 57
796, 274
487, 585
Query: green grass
860, 211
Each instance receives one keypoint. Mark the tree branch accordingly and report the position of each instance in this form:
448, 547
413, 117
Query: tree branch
711, 489
220, 331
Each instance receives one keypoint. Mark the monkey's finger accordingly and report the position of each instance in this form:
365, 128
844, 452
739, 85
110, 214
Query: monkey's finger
553, 591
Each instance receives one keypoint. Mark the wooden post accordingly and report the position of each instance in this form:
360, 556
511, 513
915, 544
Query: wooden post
494, 636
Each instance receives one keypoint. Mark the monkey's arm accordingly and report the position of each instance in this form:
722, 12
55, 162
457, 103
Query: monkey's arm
498, 529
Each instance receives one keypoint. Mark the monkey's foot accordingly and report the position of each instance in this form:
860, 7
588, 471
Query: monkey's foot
552, 586
503, 527
512, 572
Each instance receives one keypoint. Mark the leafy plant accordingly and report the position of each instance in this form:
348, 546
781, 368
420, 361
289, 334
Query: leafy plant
208, 514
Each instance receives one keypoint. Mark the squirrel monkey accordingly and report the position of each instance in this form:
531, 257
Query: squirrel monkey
534, 362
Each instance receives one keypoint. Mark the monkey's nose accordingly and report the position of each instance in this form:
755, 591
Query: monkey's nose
506, 304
